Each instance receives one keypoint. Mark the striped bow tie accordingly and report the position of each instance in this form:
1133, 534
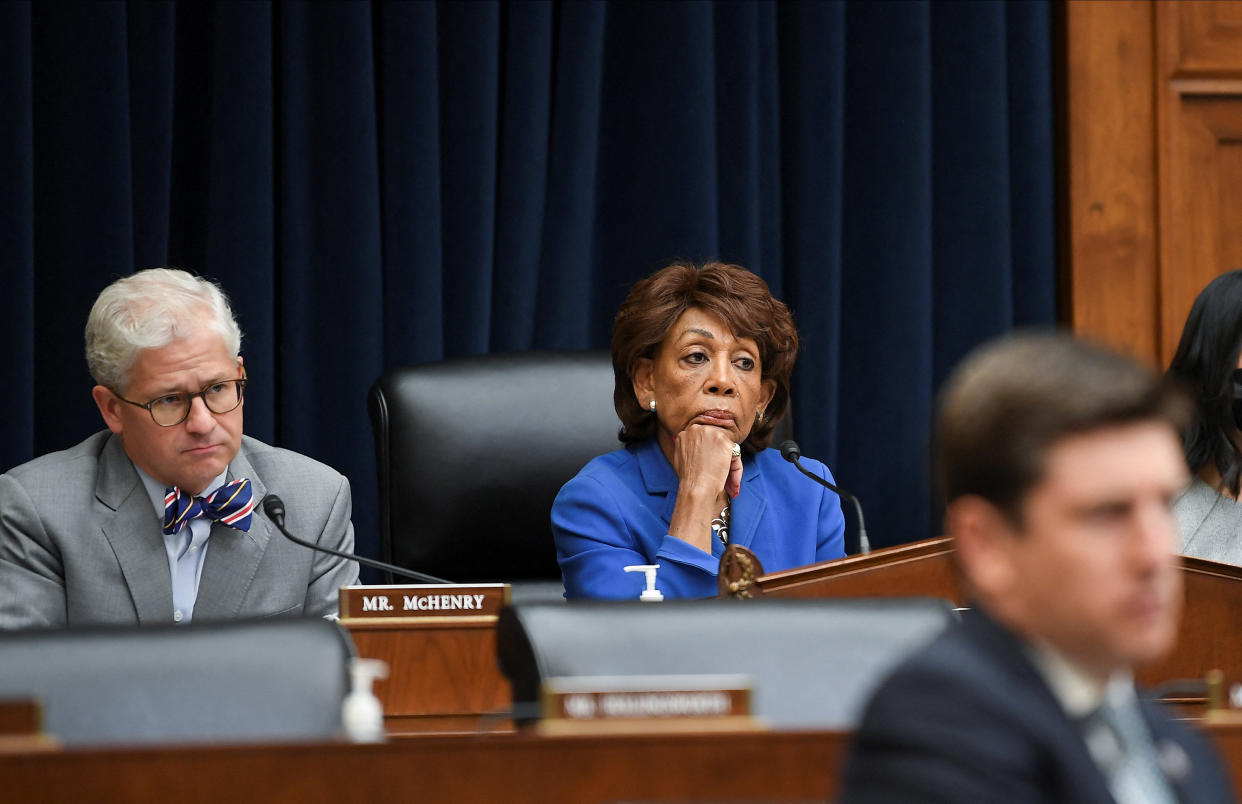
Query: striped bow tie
231, 505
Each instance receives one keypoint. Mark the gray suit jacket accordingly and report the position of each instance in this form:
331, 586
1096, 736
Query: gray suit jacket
81, 543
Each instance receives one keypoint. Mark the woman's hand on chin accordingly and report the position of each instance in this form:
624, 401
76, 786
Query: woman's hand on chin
704, 462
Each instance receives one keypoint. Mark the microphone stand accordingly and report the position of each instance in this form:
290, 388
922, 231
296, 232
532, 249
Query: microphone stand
275, 510
791, 453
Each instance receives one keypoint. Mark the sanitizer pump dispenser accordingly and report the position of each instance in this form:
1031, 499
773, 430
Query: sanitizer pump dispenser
650, 594
361, 713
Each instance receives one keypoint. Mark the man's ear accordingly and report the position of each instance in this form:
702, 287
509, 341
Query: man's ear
985, 540
644, 381
109, 407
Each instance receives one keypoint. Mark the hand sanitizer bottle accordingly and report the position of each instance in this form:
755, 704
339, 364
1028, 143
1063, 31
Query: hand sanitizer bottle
361, 712
650, 594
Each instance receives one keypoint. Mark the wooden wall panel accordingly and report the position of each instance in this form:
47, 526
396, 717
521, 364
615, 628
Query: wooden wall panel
1199, 97
1203, 38
1110, 264
1153, 169
1202, 170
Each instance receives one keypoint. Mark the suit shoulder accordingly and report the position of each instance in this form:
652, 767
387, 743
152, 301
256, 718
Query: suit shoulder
604, 468
951, 674
603, 477
963, 720
58, 466
267, 459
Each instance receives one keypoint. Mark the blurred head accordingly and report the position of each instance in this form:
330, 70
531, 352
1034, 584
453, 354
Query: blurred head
1207, 356
707, 344
151, 339
1059, 462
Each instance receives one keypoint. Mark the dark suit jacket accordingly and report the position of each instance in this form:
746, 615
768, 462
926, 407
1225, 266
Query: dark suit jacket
81, 543
970, 719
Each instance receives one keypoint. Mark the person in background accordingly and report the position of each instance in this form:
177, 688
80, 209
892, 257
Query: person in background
1059, 462
152, 520
702, 357
1209, 363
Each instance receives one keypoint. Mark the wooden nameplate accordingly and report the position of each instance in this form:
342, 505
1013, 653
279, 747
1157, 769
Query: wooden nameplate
630, 704
417, 602
439, 642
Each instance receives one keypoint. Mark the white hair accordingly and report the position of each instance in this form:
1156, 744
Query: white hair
149, 310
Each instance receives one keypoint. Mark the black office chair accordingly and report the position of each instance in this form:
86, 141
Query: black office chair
814, 663
242, 681
471, 452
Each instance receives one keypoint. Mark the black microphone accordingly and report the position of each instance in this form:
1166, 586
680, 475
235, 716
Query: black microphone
275, 510
791, 453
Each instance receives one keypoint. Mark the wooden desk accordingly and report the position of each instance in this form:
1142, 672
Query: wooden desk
19, 716
1228, 741
517, 768
1207, 638
443, 675
785, 766
1211, 623
917, 569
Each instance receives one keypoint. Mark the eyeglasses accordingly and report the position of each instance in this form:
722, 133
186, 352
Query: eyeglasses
172, 409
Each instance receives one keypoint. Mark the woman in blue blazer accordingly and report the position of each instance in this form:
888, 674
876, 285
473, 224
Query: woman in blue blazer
702, 358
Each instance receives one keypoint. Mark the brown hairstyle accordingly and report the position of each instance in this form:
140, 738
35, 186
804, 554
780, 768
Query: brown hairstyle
738, 298
1008, 403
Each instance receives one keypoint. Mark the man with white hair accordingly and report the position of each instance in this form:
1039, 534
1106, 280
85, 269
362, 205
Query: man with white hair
152, 520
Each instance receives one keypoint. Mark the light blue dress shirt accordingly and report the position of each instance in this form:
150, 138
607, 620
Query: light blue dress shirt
187, 550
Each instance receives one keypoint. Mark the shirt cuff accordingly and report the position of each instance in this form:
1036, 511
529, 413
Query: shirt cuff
682, 552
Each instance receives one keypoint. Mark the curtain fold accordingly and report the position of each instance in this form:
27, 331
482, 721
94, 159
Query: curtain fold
888, 268
384, 183
409, 94
17, 314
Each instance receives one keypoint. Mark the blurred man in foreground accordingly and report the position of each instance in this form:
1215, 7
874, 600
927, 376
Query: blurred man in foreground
1059, 462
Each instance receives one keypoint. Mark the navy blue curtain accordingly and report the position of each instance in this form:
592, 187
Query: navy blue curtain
385, 183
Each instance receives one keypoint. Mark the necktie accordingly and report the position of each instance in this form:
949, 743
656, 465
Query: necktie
231, 505
1130, 763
